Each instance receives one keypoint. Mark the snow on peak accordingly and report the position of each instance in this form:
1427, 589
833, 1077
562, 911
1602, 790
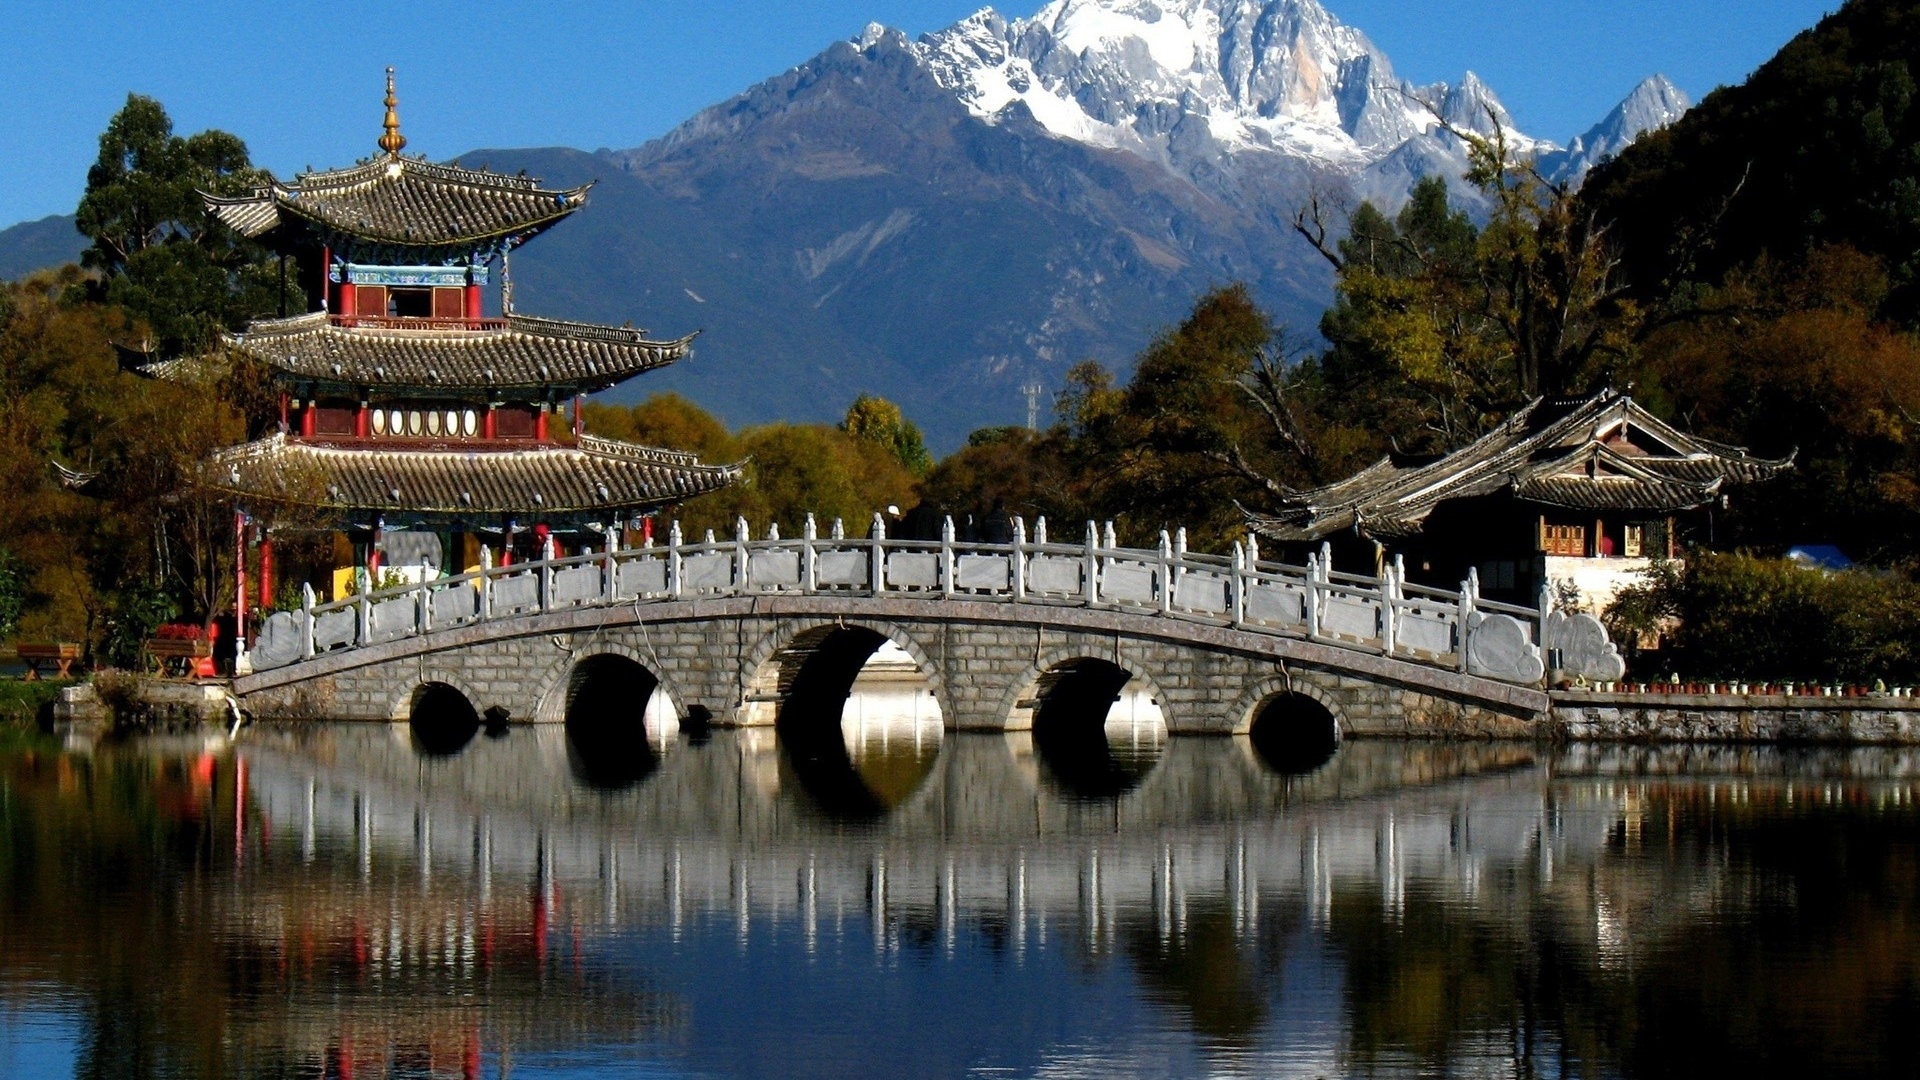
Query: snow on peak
1200, 84
1277, 75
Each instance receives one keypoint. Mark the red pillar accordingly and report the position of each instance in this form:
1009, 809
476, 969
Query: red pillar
579, 421
473, 301
240, 579
326, 280
540, 424
348, 299
487, 429
283, 411
266, 572
306, 419
373, 558
363, 422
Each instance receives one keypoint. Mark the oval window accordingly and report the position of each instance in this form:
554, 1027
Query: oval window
395, 422
433, 423
453, 422
379, 422
413, 423
469, 423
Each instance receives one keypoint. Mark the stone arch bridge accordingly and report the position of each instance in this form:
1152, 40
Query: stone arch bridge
730, 630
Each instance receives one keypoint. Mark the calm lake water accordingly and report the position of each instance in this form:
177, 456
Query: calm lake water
339, 901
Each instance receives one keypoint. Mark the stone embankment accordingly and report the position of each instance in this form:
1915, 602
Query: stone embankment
1883, 719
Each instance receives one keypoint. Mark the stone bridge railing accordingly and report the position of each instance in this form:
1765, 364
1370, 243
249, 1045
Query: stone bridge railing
1455, 631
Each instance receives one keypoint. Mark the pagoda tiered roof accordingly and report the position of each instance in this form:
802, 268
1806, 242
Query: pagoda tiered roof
591, 477
1603, 452
401, 203
499, 355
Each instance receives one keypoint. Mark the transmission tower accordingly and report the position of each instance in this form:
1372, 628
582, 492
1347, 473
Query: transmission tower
1033, 390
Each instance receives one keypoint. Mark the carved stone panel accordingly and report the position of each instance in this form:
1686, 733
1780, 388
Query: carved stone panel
1202, 592
279, 642
1586, 651
913, 570
1127, 582
1499, 647
333, 629
984, 572
575, 584
774, 568
517, 593
841, 568
642, 577
1272, 602
1054, 574
455, 604
393, 618
706, 571
1350, 617
1429, 632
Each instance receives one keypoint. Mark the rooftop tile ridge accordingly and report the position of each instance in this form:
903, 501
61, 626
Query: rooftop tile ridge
566, 328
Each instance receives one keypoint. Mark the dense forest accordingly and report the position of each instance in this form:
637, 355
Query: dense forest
1752, 272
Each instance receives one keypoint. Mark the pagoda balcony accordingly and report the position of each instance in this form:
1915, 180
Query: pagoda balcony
410, 322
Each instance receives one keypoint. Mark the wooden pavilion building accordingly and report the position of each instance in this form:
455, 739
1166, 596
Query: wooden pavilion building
412, 424
1580, 494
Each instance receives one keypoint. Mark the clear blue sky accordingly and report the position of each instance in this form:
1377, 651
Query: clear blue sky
301, 81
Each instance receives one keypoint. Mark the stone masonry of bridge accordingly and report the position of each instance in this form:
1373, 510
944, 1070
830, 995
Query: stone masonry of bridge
722, 658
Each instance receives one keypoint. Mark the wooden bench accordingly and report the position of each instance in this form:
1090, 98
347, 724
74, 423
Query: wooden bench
36, 655
178, 657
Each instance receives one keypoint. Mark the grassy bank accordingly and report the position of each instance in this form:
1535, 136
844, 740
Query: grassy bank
23, 704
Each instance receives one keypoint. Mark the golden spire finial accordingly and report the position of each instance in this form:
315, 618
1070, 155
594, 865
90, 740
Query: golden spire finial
392, 142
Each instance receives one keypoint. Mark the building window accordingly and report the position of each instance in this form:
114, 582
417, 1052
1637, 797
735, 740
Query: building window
1568, 540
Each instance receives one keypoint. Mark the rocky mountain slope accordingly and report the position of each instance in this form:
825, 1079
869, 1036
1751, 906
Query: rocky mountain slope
948, 220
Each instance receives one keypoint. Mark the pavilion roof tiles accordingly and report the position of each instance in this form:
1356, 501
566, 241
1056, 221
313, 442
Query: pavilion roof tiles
592, 477
1599, 453
515, 353
404, 202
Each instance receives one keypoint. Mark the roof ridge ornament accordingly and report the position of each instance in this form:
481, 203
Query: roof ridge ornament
392, 142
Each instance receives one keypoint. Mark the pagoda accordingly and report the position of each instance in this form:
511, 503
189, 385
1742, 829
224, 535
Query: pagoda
412, 423
1579, 495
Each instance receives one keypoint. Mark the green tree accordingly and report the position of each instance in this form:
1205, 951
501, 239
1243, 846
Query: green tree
879, 421
161, 256
13, 592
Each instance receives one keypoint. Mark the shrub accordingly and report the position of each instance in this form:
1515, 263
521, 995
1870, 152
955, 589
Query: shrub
1743, 617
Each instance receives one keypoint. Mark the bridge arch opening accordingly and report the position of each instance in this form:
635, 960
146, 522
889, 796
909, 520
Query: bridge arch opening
618, 719
857, 719
1294, 734
441, 720
1098, 730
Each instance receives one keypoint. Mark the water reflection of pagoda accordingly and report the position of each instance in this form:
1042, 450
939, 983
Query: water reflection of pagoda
413, 423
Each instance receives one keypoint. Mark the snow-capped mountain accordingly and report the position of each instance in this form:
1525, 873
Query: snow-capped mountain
1654, 104
1214, 88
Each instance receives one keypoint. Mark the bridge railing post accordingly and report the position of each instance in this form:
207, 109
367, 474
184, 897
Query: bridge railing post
878, 534
946, 559
809, 556
1165, 573
742, 574
611, 585
1019, 565
1468, 589
1314, 571
486, 583
674, 584
364, 609
1389, 613
546, 574
1092, 584
423, 602
306, 620
1237, 585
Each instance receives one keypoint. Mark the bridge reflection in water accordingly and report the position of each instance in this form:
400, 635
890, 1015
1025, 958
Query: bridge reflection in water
340, 901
